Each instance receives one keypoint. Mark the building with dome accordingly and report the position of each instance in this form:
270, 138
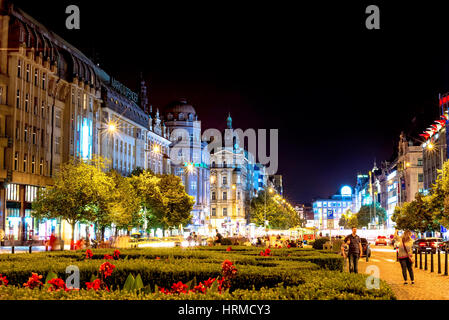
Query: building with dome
190, 159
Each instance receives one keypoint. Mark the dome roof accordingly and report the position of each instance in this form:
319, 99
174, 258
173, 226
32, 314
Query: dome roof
179, 106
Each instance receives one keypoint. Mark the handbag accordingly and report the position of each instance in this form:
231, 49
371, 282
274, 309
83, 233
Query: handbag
405, 248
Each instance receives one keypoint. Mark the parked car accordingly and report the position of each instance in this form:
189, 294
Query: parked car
366, 250
444, 245
427, 244
381, 240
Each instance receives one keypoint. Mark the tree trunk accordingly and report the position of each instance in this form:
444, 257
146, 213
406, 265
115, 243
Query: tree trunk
73, 235
102, 233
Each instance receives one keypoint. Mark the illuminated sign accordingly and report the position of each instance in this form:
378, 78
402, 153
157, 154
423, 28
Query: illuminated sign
124, 91
346, 191
391, 175
86, 139
197, 165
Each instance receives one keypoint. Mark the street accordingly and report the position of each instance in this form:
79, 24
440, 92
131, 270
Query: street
428, 286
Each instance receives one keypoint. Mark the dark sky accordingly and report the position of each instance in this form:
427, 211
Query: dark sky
338, 93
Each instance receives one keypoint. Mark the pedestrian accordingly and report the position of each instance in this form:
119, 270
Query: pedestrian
405, 254
354, 251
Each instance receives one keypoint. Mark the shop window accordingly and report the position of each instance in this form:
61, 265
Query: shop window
12, 192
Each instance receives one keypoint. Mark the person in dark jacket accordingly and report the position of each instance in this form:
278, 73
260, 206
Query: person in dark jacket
354, 251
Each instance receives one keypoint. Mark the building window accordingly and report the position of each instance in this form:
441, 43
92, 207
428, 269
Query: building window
12, 192
18, 99
35, 77
16, 161
58, 118
213, 195
225, 180
43, 110
34, 135
214, 212
25, 135
43, 81
225, 196
57, 145
17, 130
25, 159
26, 102
420, 163
33, 164
41, 167
420, 177
238, 195
225, 212
19, 69
28, 73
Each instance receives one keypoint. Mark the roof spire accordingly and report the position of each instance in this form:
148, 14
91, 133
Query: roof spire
229, 121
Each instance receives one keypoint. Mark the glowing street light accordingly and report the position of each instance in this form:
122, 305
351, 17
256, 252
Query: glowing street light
430, 146
111, 127
156, 149
189, 168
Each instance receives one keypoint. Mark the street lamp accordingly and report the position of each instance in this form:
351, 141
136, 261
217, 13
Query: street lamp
111, 127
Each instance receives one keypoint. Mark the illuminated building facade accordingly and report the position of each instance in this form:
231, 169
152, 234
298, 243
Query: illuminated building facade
232, 185
54, 103
191, 159
327, 212
48, 92
410, 170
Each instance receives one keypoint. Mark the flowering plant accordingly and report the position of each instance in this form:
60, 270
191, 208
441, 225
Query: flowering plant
96, 285
266, 253
106, 269
34, 281
3, 281
108, 257
89, 254
228, 249
116, 254
57, 284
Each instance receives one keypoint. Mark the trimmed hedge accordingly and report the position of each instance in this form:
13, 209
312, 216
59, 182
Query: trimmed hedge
287, 274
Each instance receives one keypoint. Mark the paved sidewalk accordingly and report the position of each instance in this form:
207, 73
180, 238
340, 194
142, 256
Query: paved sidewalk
428, 286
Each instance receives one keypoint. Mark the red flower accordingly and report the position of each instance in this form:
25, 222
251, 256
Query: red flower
106, 269
57, 284
200, 288
209, 282
157, 258
165, 291
179, 287
228, 249
116, 254
95, 285
3, 281
288, 246
108, 257
89, 254
33, 281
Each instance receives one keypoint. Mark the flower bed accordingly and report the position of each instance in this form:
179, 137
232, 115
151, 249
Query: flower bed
284, 274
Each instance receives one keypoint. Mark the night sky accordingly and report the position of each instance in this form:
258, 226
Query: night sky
339, 94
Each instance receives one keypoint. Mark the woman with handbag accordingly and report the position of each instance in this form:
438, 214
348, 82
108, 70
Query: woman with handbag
405, 254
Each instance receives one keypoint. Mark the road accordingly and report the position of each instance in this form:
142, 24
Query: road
428, 286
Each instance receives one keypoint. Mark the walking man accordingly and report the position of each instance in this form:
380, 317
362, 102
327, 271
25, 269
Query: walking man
355, 250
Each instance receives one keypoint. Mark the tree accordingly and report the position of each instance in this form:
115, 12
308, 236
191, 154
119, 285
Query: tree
279, 216
367, 213
178, 204
416, 215
125, 207
80, 187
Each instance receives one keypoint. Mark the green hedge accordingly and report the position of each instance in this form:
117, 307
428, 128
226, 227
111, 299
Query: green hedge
293, 273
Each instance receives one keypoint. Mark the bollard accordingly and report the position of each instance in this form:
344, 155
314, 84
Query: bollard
416, 259
445, 261
46, 247
62, 245
431, 261
425, 261
439, 261
30, 250
420, 259
12, 249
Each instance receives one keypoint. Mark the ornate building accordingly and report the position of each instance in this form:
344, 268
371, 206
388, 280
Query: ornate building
190, 159
54, 105
232, 185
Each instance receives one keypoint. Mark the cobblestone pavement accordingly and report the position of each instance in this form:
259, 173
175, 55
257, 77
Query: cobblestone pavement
428, 286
